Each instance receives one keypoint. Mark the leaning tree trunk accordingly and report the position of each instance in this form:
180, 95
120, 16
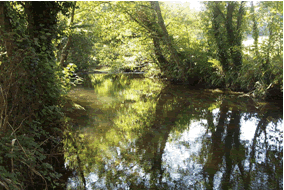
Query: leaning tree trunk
159, 55
166, 39
156, 36
64, 52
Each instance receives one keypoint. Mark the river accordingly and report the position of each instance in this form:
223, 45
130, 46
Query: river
137, 133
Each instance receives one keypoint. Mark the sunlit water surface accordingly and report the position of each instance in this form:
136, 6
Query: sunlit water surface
144, 134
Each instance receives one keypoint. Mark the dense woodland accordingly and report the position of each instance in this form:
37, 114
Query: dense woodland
47, 47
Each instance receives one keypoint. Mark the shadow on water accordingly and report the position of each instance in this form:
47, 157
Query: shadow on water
144, 134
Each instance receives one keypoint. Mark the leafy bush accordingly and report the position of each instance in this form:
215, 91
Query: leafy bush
254, 76
28, 135
31, 120
69, 77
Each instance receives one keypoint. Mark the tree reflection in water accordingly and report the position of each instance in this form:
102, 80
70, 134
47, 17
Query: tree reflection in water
144, 138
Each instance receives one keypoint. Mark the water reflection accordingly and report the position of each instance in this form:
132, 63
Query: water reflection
144, 134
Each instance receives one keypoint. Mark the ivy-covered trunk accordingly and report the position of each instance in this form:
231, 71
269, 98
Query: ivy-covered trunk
255, 32
6, 29
228, 36
234, 34
42, 19
219, 38
30, 93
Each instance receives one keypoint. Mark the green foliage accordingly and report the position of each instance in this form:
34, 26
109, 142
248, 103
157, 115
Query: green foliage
128, 39
263, 67
81, 51
30, 96
69, 77
26, 157
254, 77
120, 35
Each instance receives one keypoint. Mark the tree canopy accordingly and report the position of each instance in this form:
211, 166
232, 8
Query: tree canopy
205, 48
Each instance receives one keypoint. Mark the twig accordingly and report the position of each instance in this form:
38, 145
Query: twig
19, 126
36, 172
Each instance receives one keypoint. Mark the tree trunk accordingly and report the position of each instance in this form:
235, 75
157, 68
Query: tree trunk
255, 32
166, 39
64, 53
237, 52
6, 29
159, 55
221, 42
228, 39
233, 34
163, 63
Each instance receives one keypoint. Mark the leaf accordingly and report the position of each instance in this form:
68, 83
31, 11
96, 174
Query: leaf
43, 37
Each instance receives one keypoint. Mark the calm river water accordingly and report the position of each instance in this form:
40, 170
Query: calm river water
136, 133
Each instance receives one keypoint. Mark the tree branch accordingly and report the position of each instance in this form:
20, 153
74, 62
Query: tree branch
138, 22
240, 16
219, 11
